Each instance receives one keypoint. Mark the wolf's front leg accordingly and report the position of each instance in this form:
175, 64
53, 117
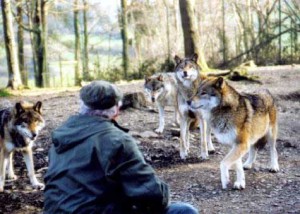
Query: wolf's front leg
203, 138
251, 157
3, 164
183, 138
10, 172
224, 174
161, 110
240, 182
30, 168
234, 159
211, 148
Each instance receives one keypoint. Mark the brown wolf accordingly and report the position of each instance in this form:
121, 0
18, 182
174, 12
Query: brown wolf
187, 73
244, 121
19, 127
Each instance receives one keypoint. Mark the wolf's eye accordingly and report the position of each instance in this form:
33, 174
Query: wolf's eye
23, 125
202, 93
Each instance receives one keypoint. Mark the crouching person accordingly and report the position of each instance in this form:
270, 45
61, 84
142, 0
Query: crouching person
96, 167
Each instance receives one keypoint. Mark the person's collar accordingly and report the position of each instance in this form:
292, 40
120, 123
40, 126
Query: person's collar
120, 127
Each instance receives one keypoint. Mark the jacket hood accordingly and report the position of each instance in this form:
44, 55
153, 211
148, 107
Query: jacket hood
75, 130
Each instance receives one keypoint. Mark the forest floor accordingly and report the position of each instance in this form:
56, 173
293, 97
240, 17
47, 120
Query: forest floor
193, 180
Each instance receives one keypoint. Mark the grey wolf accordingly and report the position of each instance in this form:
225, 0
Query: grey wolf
187, 73
244, 121
161, 89
19, 128
102, 168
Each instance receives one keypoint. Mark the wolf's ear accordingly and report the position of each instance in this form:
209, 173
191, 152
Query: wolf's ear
194, 57
177, 59
19, 109
38, 107
220, 82
160, 78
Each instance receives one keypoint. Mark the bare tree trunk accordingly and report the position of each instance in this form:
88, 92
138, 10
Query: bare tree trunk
39, 77
20, 36
40, 41
78, 75
44, 27
224, 48
124, 38
190, 32
168, 32
279, 51
30, 14
14, 79
86, 72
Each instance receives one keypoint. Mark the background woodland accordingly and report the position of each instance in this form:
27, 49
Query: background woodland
59, 43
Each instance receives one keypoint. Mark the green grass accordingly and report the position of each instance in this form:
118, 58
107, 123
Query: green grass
4, 93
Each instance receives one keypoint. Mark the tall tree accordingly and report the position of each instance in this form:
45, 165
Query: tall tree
78, 73
190, 32
20, 36
14, 79
30, 8
124, 34
38, 28
86, 73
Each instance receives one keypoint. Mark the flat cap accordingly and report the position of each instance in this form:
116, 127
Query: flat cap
100, 95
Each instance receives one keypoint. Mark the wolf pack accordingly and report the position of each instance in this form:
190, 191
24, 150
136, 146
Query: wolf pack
246, 122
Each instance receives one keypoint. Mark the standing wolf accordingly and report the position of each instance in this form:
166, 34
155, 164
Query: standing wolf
244, 121
162, 89
19, 127
187, 73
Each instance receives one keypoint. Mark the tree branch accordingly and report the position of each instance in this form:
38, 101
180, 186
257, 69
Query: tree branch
23, 26
260, 45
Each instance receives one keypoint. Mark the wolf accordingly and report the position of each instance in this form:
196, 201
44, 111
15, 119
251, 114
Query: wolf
245, 121
187, 73
161, 89
19, 128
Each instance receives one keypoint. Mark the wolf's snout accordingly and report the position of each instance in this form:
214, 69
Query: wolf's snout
185, 73
153, 99
189, 102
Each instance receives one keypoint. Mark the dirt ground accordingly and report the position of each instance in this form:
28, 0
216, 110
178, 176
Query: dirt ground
193, 180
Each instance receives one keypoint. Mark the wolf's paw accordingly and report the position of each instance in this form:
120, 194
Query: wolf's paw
225, 184
39, 186
247, 166
212, 151
239, 185
183, 154
274, 169
12, 177
204, 156
159, 130
1, 189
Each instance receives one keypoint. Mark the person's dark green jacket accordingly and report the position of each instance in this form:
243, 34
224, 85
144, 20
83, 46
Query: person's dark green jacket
96, 167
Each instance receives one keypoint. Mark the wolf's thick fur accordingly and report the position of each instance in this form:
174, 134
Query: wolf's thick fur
244, 121
161, 89
187, 73
19, 127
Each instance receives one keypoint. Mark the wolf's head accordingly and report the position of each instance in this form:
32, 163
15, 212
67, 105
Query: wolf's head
28, 120
209, 94
153, 87
187, 68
